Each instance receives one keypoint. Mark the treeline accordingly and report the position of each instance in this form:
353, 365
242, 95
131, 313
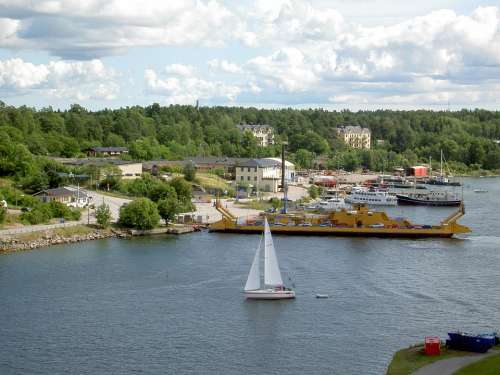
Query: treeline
175, 132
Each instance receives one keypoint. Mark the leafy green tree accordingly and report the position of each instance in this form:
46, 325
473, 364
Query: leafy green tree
103, 215
141, 213
304, 158
168, 208
189, 171
314, 191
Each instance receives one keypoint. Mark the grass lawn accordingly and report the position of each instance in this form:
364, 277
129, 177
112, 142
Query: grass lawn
255, 204
487, 366
410, 359
212, 181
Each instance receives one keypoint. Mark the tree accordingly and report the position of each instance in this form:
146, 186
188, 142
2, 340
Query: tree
314, 191
103, 215
168, 208
189, 171
3, 213
141, 213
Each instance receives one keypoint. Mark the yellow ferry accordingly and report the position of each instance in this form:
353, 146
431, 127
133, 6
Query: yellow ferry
360, 221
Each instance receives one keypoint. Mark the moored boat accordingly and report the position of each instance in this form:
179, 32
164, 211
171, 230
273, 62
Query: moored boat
471, 343
357, 222
372, 197
431, 198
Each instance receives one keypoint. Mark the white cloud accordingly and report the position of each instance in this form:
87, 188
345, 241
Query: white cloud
224, 66
61, 79
187, 89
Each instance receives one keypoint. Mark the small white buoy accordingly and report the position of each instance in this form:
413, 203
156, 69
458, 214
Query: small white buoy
321, 295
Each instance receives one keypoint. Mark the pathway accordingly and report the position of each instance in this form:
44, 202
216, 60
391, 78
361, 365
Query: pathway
450, 365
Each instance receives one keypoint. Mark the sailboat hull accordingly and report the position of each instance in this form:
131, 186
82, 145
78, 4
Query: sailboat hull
270, 294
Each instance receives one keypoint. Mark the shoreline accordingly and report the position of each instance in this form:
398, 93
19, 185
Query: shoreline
80, 233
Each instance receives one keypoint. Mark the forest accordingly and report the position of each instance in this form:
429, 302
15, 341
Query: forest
468, 138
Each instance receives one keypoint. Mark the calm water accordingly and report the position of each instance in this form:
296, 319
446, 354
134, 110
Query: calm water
174, 306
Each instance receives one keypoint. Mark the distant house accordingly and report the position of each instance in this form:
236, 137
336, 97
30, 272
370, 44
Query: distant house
128, 169
69, 196
106, 151
355, 136
263, 133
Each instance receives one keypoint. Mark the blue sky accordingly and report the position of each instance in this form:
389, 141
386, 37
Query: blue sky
356, 54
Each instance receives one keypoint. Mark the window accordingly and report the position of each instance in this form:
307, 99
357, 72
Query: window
255, 169
242, 169
248, 169
248, 178
241, 178
255, 178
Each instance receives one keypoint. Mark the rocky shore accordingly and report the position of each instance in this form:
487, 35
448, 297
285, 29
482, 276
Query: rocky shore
49, 238
81, 233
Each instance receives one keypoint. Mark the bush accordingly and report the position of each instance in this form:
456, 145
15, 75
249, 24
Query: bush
189, 171
3, 214
41, 213
140, 214
103, 215
314, 191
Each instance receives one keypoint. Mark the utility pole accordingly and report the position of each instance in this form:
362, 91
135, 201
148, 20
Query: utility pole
283, 179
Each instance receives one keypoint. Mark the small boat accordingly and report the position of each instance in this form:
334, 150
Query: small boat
273, 284
480, 191
471, 343
322, 295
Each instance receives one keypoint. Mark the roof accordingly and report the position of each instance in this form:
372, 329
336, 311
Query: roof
261, 163
108, 149
254, 127
353, 129
62, 192
96, 161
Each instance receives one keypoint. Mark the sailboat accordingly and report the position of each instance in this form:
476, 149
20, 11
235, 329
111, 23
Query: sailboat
273, 287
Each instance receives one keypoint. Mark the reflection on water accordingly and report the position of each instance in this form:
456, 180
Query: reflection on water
174, 304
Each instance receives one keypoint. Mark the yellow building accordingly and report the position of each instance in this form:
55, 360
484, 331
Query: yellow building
355, 136
263, 133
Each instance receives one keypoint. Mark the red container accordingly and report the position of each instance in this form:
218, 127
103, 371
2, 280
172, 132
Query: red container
418, 171
432, 345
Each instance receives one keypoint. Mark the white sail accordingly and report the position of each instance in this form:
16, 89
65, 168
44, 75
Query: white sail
272, 275
253, 281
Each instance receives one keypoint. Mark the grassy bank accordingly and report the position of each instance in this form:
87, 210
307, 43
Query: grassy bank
487, 366
408, 360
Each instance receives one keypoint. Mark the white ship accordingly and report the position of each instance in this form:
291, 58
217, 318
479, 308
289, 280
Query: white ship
371, 197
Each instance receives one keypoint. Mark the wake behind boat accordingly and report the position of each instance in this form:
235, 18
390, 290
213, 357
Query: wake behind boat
273, 287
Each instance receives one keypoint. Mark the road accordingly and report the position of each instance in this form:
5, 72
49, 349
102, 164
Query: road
88, 216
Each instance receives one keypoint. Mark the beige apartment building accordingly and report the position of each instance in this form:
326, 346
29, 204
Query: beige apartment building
355, 136
263, 133
263, 174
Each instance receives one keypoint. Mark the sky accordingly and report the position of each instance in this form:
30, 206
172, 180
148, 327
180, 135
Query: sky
336, 54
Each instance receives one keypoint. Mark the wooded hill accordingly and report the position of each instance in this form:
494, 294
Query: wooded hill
466, 137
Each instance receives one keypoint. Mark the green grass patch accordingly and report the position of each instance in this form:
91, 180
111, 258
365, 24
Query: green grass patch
255, 204
487, 366
411, 359
212, 181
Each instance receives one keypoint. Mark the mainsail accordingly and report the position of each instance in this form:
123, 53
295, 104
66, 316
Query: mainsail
253, 281
272, 275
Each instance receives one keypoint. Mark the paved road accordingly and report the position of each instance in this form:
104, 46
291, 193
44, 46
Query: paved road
451, 365
87, 216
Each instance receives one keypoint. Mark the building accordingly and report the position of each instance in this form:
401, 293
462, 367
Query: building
263, 174
69, 196
128, 169
355, 136
106, 151
263, 133
418, 171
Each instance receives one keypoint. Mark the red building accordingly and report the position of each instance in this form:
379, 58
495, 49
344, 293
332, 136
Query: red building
418, 171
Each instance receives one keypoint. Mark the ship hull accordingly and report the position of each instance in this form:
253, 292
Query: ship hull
405, 200
269, 294
341, 232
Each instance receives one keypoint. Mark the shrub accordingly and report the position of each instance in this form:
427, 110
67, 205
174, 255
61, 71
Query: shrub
103, 215
3, 214
140, 213
189, 171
